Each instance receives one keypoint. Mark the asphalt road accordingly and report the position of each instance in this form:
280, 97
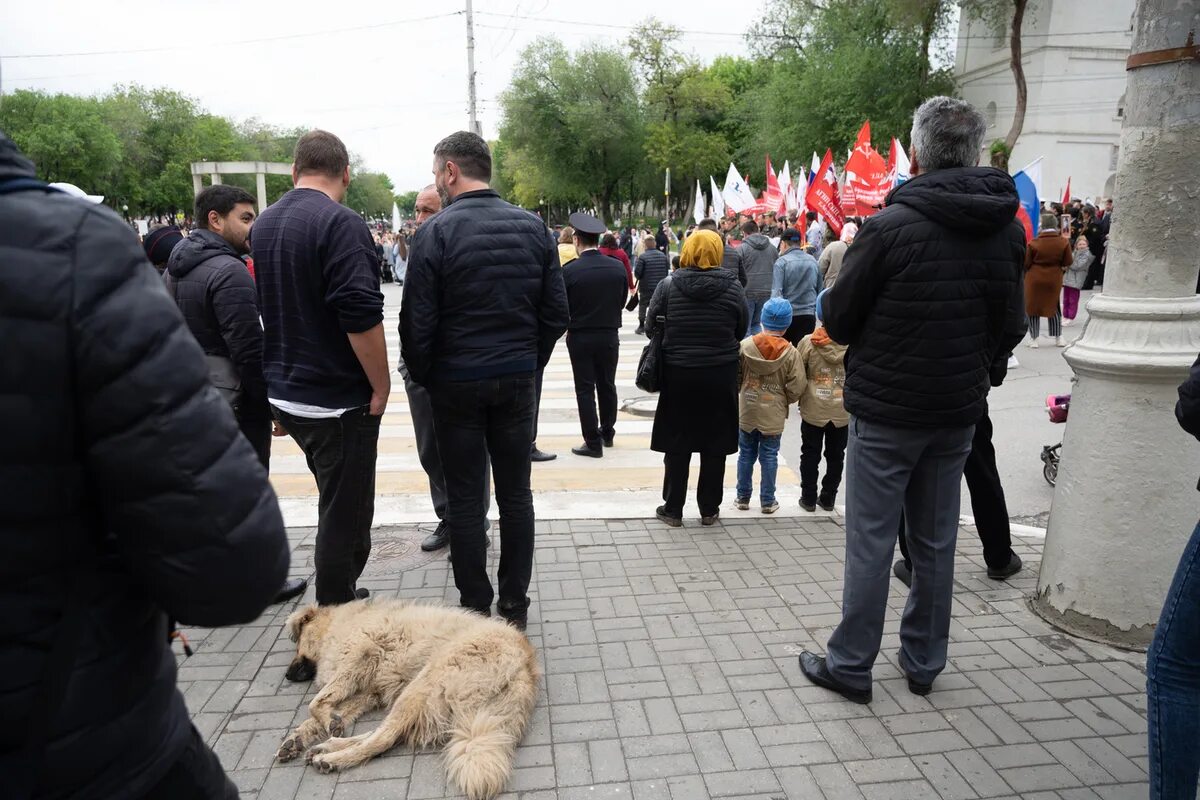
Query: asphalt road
1018, 411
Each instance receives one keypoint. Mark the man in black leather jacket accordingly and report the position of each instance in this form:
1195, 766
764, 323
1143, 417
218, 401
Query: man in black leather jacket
127, 494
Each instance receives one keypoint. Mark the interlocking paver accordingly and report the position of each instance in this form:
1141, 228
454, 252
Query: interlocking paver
670, 674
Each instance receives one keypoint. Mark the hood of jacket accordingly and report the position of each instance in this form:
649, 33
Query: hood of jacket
12, 163
702, 284
764, 354
827, 348
757, 241
976, 200
198, 247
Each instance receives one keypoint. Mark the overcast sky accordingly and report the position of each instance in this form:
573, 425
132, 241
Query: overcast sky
390, 78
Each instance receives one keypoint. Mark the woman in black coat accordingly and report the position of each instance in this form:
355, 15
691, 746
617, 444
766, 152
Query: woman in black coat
704, 308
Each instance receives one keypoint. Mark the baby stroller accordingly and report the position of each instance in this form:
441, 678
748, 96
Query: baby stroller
1056, 407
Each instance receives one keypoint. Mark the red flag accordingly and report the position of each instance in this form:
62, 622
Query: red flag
1067, 194
773, 196
849, 207
867, 174
823, 196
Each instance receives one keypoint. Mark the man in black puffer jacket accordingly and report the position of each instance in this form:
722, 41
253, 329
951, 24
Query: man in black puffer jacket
126, 495
651, 267
930, 302
484, 304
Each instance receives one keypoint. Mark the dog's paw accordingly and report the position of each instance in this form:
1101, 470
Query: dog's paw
323, 763
337, 725
290, 748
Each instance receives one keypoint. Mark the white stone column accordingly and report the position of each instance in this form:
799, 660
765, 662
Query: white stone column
1126, 496
216, 178
197, 184
261, 182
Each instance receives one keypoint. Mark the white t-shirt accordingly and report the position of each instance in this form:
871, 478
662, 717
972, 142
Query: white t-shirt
307, 411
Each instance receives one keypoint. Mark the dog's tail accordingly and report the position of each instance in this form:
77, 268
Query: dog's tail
479, 757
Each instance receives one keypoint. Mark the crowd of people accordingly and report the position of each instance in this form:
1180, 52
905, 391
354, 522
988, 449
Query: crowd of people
138, 456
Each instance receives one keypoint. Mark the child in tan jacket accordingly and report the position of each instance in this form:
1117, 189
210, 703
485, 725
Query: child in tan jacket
823, 418
770, 379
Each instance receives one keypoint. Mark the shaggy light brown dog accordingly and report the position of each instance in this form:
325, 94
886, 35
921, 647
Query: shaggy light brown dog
449, 677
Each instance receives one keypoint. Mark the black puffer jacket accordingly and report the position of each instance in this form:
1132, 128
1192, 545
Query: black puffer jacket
706, 317
651, 267
216, 294
125, 489
930, 296
483, 295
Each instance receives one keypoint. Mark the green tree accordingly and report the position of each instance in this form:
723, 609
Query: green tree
407, 203
370, 193
66, 137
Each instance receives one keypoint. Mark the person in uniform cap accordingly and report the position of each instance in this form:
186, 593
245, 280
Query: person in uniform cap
158, 244
597, 289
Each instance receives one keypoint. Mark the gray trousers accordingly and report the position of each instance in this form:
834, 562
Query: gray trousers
421, 410
890, 470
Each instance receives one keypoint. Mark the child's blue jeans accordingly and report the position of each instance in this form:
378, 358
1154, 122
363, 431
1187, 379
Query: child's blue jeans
754, 446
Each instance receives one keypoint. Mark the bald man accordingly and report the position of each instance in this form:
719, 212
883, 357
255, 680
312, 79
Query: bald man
428, 203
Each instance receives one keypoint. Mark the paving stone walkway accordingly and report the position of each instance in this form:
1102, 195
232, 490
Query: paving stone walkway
671, 674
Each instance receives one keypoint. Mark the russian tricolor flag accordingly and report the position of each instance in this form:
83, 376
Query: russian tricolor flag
1029, 181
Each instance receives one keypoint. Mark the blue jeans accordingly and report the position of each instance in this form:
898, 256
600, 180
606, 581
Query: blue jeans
1173, 684
764, 449
755, 308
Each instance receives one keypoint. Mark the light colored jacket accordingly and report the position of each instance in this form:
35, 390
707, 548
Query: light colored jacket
797, 281
770, 379
1077, 273
824, 364
831, 261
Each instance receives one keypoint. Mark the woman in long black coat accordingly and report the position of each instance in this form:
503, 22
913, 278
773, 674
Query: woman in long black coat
705, 316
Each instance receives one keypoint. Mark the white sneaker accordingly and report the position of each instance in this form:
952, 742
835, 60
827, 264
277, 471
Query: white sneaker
1060, 341
1033, 345
1068, 322
1013, 363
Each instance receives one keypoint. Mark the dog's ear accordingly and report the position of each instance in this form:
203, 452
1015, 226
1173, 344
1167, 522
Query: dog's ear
296, 622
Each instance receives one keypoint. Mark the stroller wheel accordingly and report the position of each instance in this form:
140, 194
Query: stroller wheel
1050, 472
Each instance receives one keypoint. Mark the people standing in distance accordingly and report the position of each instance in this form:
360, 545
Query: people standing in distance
476, 326
662, 240
597, 288
324, 353
158, 244
830, 262
127, 495
756, 257
651, 267
566, 246
815, 235
608, 247
729, 258
797, 280
704, 309
937, 269
421, 409
1047, 258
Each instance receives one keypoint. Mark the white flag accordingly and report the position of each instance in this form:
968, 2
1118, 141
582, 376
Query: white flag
736, 193
785, 185
395, 217
718, 202
698, 213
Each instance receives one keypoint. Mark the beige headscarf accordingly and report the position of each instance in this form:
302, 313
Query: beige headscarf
703, 249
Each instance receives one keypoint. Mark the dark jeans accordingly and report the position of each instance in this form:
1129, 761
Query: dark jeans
594, 366
341, 456
537, 405
257, 431
1173, 684
802, 325
811, 439
474, 419
195, 775
987, 500
709, 488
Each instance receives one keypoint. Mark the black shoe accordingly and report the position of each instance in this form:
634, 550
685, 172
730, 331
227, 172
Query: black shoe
711, 519
609, 441
808, 505
291, 589
483, 611
438, 539
919, 689
641, 331
903, 572
590, 452
1008, 570
538, 455
825, 503
815, 669
362, 593
517, 616
663, 516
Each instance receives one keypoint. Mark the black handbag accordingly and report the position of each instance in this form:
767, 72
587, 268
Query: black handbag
649, 370
633, 301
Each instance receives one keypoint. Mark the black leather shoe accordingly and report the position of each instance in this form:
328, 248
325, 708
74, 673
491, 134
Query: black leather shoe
826, 503
901, 571
609, 441
808, 505
362, 593
436, 540
517, 616
640, 331
661, 514
538, 455
1007, 571
590, 452
291, 589
919, 689
710, 519
815, 669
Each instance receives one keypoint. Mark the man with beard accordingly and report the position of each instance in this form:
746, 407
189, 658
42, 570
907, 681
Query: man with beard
213, 289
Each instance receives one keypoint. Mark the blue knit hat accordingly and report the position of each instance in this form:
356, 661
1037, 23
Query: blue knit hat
777, 314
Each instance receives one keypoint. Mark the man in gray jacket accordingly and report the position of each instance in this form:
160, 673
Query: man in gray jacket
756, 257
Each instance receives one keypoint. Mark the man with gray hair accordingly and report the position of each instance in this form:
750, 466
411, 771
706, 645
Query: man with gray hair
930, 302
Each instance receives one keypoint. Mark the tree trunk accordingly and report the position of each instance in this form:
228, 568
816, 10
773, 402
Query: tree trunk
927, 27
1018, 71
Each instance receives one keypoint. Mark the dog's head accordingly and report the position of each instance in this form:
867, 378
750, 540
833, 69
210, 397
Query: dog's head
307, 629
